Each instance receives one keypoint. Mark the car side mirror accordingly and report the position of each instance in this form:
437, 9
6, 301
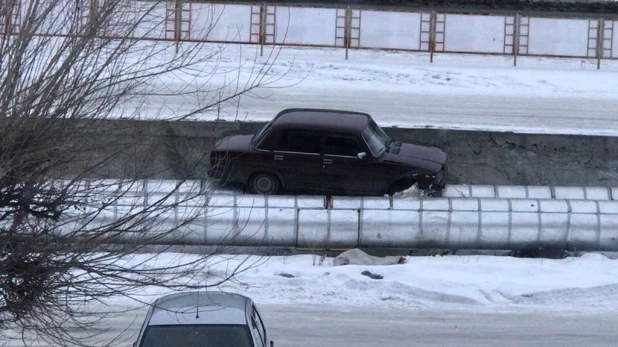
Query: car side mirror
362, 155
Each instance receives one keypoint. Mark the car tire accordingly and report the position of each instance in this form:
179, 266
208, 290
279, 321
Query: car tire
264, 184
434, 193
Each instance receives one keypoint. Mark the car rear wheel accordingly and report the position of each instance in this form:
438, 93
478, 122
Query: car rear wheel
264, 184
434, 193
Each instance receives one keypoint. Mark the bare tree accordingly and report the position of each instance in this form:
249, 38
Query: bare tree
66, 68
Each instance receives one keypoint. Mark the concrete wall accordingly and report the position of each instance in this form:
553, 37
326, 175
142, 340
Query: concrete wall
176, 150
523, 159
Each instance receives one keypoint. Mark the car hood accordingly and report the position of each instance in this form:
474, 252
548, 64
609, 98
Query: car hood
430, 158
234, 143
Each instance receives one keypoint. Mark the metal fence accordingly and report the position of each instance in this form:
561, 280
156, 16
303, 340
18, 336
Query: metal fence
356, 28
467, 217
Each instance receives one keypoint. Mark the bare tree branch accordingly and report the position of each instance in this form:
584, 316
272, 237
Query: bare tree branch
68, 241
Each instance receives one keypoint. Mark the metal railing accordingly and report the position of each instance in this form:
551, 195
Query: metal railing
356, 28
467, 217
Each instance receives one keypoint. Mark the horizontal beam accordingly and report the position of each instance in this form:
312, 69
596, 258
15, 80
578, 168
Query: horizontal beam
506, 217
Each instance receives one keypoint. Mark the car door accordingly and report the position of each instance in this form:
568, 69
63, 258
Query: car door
343, 172
297, 158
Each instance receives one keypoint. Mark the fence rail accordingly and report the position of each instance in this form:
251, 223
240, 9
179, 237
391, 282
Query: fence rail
357, 28
467, 217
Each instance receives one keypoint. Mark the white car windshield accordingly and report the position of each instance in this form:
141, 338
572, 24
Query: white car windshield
376, 139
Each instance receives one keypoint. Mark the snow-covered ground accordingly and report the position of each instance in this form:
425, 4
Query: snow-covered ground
448, 300
544, 95
474, 92
540, 95
500, 283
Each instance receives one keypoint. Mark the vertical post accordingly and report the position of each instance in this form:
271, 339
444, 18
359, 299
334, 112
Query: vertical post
296, 221
600, 41
432, 35
266, 217
207, 196
8, 12
177, 23
262, 27
516, 32
145, 193
236, 215
359, 237
347, 37
176, 208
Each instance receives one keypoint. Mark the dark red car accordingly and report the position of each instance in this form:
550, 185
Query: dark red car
326, 151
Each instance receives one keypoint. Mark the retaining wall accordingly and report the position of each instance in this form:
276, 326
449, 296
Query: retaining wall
177, 150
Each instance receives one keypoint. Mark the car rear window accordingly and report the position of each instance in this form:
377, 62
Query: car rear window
197, 336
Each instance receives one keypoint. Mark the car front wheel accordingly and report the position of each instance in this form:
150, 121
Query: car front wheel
264, 184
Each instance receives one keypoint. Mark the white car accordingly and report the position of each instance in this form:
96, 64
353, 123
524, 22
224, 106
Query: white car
204, 319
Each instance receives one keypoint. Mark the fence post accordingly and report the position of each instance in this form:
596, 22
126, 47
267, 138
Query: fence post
296, 221
516, 32
262, 34
600, 41
432, 35
359, 242
178, 23
347, 37
145, 194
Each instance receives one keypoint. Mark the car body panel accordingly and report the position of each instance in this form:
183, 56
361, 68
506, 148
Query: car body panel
204, 309
197, 308
329, 152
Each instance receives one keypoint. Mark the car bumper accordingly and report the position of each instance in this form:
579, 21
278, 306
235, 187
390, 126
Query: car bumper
437, 184
440, 181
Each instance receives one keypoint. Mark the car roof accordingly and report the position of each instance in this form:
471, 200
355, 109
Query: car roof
204, 307
320, 119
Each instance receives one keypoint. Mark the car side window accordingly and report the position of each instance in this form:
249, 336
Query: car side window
259, 325
299, 141
344, 145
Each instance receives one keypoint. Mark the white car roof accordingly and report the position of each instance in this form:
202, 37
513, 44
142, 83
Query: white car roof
203, 307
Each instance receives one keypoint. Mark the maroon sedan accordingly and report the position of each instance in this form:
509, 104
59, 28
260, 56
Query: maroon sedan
328, 152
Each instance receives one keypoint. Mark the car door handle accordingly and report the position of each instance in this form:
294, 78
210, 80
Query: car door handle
327, 161
278, 157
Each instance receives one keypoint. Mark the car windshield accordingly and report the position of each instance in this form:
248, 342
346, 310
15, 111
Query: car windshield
260, 135
197, 336
376, 139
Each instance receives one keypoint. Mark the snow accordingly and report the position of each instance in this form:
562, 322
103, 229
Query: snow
475, 282
404, 89
472, 92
